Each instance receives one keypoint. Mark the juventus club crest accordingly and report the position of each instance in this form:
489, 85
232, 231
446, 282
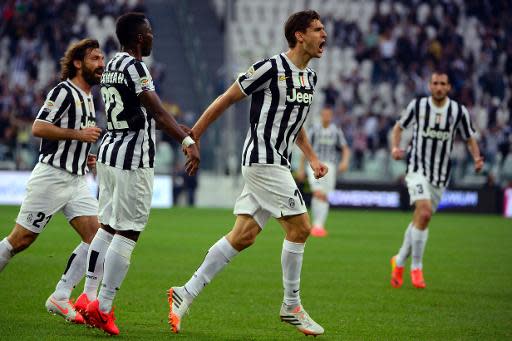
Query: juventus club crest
438, 118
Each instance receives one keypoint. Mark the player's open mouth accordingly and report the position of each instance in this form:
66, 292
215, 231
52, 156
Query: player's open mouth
321, 46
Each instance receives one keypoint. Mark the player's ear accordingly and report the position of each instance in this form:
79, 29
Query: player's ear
299, 36
77, 64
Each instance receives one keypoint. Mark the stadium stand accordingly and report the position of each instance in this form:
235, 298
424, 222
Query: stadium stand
379, 57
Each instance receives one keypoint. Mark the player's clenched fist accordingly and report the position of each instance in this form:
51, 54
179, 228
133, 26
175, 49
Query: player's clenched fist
479, 164
397, 153
319, 169
89, 134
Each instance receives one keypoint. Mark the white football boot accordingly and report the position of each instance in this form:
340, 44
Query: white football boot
299, 318
179, 302
65, 309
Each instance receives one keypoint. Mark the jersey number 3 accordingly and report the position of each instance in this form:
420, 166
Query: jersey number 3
113, 107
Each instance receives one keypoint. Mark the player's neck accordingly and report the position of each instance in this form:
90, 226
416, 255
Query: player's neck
325, 124
82, 84
134, 52
299, 58
439, 102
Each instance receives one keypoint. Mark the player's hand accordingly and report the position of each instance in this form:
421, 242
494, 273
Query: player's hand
91, 163
186, 129
479, 164
319, 169
89, 134
343, 167
397, 153
193, 159
300, 175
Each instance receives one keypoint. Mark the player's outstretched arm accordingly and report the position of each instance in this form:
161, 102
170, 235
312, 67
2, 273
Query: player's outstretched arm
49, 131
396, 135
232, 95
475, 153
151, 101
319, 168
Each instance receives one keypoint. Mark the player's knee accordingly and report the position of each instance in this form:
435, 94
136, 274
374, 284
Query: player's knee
424, 214
299, 234
90, 233
246, 240
242, 241
320, 195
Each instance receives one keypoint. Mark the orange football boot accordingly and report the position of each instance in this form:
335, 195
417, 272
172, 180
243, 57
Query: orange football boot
397, 274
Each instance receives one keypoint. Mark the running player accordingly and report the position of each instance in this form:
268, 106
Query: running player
435, 121
67, 126
327, 141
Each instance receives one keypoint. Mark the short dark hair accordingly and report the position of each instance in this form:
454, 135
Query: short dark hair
75, 51
128, 26
298, 22
440, 71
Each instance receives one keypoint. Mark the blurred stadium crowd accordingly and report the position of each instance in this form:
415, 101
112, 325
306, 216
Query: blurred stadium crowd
379, 57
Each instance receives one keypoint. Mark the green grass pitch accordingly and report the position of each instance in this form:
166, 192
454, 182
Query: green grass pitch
345, 281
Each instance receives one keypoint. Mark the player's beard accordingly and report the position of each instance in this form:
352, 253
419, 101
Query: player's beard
92, 77
440, 97
146, 51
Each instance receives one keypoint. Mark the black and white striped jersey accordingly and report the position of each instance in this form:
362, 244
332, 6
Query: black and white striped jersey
130, 139
327, 142
67, 106
434, 131
281, 98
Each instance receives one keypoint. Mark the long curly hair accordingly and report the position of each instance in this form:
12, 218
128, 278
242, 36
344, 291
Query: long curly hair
75, 51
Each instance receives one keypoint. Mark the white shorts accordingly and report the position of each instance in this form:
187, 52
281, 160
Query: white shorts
421, 189
325, 184
269, 190
50, 190
125, 197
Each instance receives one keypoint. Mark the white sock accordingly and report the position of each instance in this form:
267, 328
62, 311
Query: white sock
5, 253
218, 256
291, 262
405, 249
319, 210
95, 260
117, 262
73, 274
418, 241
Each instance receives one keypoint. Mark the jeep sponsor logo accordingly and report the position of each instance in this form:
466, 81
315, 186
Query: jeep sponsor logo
87, 122
300, 96
436, 134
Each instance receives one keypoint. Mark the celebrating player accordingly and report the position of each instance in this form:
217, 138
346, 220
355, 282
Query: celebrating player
125, 165
67, 126
434, 120
282, 90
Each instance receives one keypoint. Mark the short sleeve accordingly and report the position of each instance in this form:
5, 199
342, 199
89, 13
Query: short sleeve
407, 116
466, 128
257, 77
141, 78
341, 140
56, 104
